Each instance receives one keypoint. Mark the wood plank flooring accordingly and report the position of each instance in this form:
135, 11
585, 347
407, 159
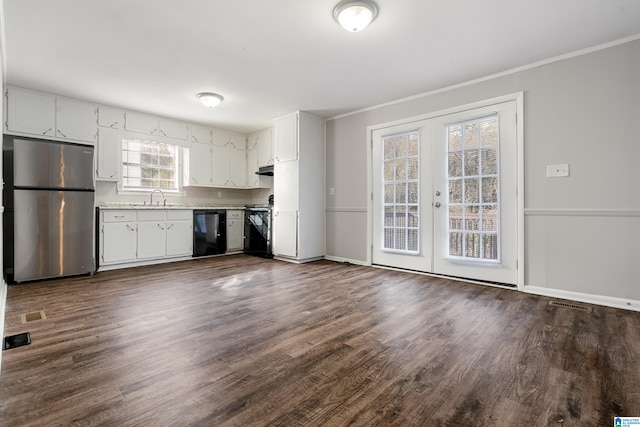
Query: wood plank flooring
244, 341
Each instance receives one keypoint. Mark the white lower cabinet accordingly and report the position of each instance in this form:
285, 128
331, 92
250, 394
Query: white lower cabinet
234, 230
152, 234
179, 233
118, 237
128, 236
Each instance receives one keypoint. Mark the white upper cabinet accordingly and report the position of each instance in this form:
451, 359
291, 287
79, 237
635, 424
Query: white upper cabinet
200, 166
110, 117
44, 115
108, 155
141, 123
200, 134
237, 168
173, 129
265, 147
220, 169
152, 125
31, 112
76, 120
285, 132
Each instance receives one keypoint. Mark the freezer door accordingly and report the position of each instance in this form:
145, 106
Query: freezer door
52, 164
53, 234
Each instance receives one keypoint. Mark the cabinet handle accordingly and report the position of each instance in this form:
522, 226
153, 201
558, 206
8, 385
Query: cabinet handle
162, 132
113, 174
169, 226
61, 133
113, 124
153, 131
46, 131
118, 216
130, 228
160, 227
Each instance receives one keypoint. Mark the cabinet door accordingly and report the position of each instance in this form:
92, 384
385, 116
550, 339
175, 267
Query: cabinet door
173, 129
179, 238
142, 123
31, 112
286, 186
109, 150
265, 147
234, 230
152, 237
76, 120
237, 168
109, 117
285, 138
220, 169
200, 134
118, 242
200, 166
252, 167
285, 233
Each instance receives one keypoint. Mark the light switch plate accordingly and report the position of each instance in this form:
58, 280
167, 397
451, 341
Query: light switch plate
557, 171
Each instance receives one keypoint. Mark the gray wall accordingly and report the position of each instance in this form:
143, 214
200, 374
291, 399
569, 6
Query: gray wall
582, 233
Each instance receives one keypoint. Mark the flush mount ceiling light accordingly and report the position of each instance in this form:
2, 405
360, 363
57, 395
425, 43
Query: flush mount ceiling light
209, 99
355, 15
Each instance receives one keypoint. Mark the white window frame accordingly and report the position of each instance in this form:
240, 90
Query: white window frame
182, 153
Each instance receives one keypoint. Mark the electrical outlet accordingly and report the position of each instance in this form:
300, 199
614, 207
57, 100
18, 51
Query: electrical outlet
557, 171
332, 191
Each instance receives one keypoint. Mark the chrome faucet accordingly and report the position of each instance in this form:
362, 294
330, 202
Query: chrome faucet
164, 200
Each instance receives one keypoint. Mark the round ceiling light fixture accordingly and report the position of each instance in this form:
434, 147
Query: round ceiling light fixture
210, 99
355, 15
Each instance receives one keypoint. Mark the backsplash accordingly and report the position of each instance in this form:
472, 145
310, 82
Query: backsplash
106, 192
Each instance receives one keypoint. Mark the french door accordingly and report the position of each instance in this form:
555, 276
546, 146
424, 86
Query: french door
444, 194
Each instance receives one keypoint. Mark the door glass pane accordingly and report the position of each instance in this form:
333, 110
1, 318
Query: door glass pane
401, 184
473, 179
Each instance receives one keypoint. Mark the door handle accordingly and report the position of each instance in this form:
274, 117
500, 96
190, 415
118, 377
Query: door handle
437, 204
437, 193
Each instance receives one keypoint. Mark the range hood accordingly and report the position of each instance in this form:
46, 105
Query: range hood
265, 170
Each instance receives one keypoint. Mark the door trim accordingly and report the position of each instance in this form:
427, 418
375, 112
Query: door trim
518, 97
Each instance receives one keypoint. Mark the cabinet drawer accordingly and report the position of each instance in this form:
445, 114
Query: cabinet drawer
179, 214
151, 215
234, 215
119, 216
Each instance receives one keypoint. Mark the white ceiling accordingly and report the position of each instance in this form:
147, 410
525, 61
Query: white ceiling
269, 58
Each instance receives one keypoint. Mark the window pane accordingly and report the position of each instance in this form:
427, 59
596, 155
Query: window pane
471, 135
490, 190
148, 165
473, 178
489, 160
490, 246
455, 217
471, 163
455, 191
455, 164
401, 192
471, 193
455, 138
489, 132
472, 245
455, 244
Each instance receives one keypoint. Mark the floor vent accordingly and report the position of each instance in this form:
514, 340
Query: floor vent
570, 305
33, 316
14, 341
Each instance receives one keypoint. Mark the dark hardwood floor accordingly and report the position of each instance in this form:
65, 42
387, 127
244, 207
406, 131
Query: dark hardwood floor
243, 341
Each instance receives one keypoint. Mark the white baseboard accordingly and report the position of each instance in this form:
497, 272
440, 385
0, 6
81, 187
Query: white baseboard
622, 303
345, 260
3, 305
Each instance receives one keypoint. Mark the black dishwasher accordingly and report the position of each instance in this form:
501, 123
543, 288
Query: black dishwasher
209, 232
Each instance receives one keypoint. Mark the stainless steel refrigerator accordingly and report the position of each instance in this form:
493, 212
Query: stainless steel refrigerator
49, 201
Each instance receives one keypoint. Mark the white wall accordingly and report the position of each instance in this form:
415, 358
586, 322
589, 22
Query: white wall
582, 233
3, 284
